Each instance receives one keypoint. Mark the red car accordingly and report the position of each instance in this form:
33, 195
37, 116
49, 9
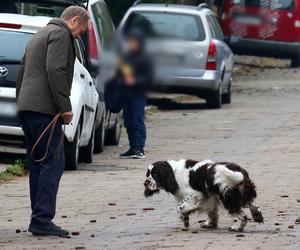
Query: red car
263, 28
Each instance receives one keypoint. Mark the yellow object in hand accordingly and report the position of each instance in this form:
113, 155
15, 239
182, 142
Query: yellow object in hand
126, 70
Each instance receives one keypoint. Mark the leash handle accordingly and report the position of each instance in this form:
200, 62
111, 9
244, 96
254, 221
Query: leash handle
51, 126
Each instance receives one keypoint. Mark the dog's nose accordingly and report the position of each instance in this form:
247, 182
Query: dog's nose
146, 183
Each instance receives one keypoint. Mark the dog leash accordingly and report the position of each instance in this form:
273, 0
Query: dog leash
51, 126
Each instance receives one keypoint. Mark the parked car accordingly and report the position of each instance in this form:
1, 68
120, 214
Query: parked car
98, 40
188, 49
15, 31
263, 28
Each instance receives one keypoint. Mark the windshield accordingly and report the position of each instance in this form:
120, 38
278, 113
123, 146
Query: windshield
13, 45
167, 25
271, 4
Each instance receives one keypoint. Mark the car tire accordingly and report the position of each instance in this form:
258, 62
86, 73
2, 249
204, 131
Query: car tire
226, 98
86, 152
72, 151
214, 99
295, 62
99, 138
113, 135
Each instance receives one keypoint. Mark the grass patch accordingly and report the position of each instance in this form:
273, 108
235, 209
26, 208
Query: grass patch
18, 169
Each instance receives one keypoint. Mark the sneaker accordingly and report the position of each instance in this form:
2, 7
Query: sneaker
139, 154
133, 154
128, 154
37, 228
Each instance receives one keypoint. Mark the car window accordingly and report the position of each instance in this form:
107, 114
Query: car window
13, 45
83, 53
167, 25
77, 51
104, 24
216, 27
271, 4
211, 27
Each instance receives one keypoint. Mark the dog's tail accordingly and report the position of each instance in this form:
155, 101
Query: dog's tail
256, 214
226, 178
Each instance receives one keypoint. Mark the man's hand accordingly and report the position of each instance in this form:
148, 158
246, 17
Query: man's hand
67, 117
129, 81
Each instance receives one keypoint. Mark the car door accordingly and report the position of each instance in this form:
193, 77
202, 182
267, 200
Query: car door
90, 93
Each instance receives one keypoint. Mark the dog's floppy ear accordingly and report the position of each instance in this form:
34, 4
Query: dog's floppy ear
167, 177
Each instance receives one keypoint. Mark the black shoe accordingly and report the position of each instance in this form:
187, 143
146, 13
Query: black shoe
37, 228
133, 154
139, 154
128, 154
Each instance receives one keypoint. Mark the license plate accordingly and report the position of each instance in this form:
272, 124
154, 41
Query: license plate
249, 20
8, 109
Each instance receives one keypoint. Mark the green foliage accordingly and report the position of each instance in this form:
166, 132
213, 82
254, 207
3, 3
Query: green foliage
18, 169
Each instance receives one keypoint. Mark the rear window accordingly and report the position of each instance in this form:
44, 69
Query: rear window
270, 4
32, 8
167, 25
13, 45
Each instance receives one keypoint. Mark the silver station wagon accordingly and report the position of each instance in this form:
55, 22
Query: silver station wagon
187, 46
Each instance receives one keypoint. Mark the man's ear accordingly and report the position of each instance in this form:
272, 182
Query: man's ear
75, 19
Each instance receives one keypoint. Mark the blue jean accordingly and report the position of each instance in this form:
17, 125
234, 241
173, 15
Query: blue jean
44, 177
134, 120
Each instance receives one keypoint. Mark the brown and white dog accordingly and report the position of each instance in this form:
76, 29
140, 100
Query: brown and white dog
204, 186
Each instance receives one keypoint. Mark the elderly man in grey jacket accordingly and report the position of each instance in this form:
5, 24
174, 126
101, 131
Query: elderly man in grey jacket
43, 90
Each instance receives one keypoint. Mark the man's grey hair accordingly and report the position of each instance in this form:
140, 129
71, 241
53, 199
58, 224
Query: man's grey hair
74, 11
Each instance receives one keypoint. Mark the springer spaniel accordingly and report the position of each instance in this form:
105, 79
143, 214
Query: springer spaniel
204, 186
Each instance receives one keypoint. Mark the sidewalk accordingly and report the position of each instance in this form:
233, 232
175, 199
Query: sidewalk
107, 210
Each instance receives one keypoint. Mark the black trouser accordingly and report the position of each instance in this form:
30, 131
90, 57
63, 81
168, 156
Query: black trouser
134, 119
44, 177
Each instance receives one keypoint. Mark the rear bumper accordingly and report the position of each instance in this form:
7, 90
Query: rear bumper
261, 47
209, 81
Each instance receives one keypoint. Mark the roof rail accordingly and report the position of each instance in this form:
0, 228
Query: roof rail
137, 2
203, 6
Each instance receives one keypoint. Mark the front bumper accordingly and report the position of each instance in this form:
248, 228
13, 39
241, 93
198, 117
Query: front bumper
259, 47
11, 136
209, 81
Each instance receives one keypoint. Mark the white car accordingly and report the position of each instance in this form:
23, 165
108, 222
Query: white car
15, 31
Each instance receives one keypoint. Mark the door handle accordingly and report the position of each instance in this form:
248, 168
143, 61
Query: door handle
82, 76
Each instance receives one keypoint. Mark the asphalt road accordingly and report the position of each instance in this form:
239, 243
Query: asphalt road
104, 202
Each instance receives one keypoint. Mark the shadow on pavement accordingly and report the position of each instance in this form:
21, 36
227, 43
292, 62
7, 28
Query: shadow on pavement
170, 104
10, 158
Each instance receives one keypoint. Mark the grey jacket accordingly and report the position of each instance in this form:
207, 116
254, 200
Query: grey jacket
45, 78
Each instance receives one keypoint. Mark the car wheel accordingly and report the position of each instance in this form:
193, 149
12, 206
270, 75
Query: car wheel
86, 153
214, 100
113, 135
226, 98
295, 62
99, 138
72, 151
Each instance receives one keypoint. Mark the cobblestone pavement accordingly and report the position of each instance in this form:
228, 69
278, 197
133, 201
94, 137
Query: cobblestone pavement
260, 130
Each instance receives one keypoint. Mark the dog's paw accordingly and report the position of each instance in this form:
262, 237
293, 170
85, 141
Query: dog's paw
235, 228
208, 225
186, 222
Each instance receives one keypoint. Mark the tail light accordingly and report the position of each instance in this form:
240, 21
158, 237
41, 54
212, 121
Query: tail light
92, 43
10, 26
212, 57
